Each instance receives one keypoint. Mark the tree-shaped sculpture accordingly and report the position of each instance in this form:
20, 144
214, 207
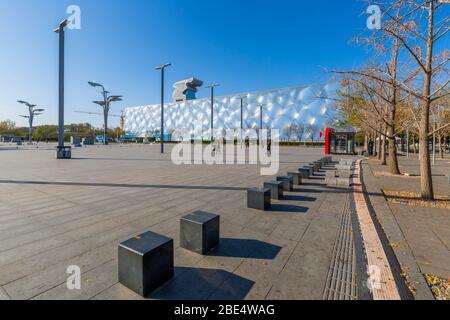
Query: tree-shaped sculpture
33, 112
107, 99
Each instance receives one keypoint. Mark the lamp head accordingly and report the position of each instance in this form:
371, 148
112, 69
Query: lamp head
100, 103
164, 66
62, 25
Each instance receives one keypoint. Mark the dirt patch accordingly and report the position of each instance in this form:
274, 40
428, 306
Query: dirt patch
414, 199
439, 287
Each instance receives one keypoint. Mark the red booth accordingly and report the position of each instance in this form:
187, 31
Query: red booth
339, 142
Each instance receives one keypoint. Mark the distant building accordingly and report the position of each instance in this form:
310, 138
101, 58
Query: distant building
186, 89
300, 113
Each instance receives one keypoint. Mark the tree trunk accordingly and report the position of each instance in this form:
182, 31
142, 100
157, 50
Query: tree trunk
393, 160
414, 144
441, 147
426, 182
383, 152
379, 146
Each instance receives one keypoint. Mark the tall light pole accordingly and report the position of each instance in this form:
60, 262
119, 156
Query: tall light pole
105, 104
242, 117
32, 112
162, 69
260, 122
212, 108
242, 112
61, 152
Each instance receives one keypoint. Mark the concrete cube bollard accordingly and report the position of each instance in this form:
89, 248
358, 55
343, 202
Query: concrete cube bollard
330, 174
305, 172
259, 199
347, 162
297, 178
343, 182
314, 167
276, 189
288, 182
318, 165
64, 152
146, 262
342, 167
346, 174
200, 232
331, 182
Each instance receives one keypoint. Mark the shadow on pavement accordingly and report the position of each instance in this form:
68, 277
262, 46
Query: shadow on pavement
121, 185
204, 284
288, 208
299, 198
245, 248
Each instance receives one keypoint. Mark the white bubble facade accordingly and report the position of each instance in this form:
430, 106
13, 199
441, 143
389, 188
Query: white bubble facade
300, 113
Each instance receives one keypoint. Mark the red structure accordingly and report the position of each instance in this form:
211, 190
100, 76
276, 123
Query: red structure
327, 141
339, 142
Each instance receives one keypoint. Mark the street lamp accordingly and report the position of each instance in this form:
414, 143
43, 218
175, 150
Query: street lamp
32, 113
162, 68
212, 108
61, 150
242, 111
105, 104
242, 114
260, 122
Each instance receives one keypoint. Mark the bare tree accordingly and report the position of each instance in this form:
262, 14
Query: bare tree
424, 24
413, 27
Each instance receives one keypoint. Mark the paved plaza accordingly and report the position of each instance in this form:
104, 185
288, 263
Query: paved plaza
54, 214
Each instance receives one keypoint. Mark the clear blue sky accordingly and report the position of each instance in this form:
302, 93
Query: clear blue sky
244, 45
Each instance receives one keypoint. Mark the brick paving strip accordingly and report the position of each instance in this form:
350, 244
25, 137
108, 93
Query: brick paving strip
376, 256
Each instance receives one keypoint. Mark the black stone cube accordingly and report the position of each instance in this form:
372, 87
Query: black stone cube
313, 167
64, 152
344, 182
288, 182
305, 172
258, 198
330, 174
276, 189
146, 262
297, 178
200, 232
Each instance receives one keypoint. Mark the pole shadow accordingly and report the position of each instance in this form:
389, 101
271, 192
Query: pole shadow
121, 185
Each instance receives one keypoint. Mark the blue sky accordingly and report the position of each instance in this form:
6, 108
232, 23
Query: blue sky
243, 45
